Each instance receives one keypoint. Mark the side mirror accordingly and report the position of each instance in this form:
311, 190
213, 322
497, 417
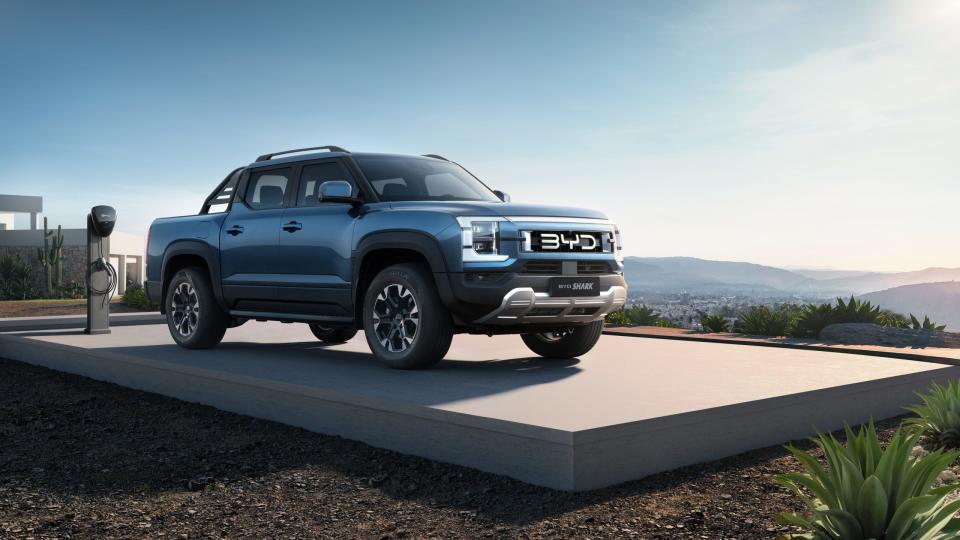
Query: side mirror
501, 195
337, 191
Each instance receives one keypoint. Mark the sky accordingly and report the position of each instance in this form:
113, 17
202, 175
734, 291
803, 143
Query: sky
815, 134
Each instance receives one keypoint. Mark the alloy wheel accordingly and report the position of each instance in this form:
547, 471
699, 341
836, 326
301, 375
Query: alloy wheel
185, 309
396, 318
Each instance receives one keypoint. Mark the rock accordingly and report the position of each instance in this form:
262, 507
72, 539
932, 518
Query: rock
874, 334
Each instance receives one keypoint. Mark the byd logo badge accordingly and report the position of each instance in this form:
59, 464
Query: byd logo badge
573, 241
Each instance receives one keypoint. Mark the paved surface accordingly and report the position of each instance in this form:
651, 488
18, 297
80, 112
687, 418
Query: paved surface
630, 407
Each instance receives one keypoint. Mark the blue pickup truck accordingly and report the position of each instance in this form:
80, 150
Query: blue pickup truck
411, 249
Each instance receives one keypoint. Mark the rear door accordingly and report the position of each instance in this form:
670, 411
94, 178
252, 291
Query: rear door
249, 240
316, 244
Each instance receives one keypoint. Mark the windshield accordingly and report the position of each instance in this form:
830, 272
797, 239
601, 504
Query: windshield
407, 178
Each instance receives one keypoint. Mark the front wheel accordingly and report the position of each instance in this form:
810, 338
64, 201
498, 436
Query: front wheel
566, 343
406, 324
329, 334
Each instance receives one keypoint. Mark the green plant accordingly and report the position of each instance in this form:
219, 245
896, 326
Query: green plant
714, 323
855, 311
868, 492
51, 258
618, 317
763, 321
927, 324
892, 320
642, 316
16, 278
664, 323
136, 296
812, 319
939, 416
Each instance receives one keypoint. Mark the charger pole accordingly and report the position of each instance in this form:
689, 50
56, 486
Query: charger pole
98, 311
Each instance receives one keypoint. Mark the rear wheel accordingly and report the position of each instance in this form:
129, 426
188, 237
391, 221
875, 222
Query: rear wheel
406, 324
194, 316
566, 343
328, 334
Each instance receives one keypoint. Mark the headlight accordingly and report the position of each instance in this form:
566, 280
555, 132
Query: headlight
617, 246
481, 238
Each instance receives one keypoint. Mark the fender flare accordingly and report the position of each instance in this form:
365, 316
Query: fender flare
413, 240
198, 248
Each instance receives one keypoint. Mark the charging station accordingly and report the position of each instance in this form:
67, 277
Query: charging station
101, 275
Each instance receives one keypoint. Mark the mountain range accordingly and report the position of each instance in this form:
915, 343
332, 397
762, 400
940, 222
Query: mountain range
702, 276
941, 301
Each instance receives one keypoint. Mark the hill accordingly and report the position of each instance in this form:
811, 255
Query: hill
941, 301
672, 274
881, 281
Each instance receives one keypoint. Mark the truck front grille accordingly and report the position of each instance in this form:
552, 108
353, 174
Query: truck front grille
592, 267
542, 267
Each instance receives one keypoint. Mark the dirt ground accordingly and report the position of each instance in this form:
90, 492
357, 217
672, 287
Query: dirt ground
42, 308
86, 459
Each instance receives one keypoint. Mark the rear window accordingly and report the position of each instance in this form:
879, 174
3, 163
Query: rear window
409, 178
267, 189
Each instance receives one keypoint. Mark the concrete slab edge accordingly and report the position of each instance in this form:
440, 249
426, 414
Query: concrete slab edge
65, 322
823, 348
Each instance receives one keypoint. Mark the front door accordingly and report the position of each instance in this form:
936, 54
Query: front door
316, 242
249, 241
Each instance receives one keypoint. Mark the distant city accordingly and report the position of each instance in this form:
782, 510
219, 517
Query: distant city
681, 288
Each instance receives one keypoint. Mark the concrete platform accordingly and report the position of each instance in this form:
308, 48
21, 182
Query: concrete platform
629, 408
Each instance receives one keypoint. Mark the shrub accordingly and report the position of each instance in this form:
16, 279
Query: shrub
617, 317
812, 319
939, 416
869, 492
136, 296
893, 320
714, 323
16, 278
763, 321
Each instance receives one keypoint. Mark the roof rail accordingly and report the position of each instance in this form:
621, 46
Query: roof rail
435, 156
266, 157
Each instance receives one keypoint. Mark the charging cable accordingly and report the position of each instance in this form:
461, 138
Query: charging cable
102, 265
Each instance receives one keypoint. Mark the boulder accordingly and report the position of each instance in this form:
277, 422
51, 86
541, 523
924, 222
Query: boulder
874, 334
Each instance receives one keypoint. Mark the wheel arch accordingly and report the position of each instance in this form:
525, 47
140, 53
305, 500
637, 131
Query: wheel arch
184, 253
380, 250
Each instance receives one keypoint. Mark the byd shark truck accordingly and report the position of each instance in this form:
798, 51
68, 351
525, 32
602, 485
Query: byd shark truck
409, 249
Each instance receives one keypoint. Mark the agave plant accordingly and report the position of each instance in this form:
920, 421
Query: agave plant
867, 492
763, 321
714, 323
855, 311
812, 319
927, 324
939, 415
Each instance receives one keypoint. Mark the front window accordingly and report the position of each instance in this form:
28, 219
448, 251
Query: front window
407, 178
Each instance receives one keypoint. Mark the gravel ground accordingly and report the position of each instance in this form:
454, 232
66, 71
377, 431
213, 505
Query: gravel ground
86, 459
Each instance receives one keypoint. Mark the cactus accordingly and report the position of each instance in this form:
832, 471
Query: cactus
56, 252
51, 258
44, 256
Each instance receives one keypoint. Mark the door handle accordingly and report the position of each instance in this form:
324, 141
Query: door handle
292, 226
235, 230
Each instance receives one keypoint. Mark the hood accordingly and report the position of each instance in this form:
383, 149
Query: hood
467, 208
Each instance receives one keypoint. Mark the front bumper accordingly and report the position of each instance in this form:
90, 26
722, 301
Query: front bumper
525, 306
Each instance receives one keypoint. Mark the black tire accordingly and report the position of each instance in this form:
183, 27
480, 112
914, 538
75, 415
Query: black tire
328, 334
194, 317
426, 319
568, 343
